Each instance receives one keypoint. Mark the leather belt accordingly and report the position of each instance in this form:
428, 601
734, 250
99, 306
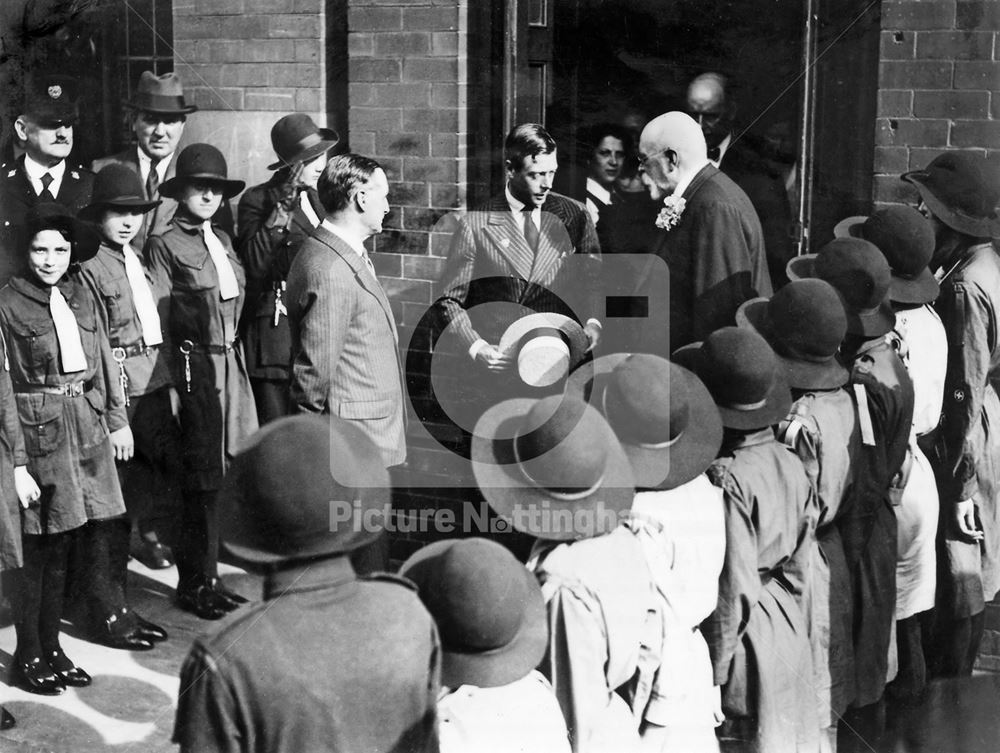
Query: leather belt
70, 389
188, 346
135, 349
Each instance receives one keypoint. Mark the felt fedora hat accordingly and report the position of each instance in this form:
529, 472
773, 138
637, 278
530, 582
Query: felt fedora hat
116, 186
662, 413
552, 467
962, 189
906, 239
546, 347
163, 95
296, 138
304, 487
201, 162
859, 272
742, 374
51, 101
488, 608
804, 323
83, 237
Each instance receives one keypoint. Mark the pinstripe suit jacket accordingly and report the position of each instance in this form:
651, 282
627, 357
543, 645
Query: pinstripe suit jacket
344, 356
490, 262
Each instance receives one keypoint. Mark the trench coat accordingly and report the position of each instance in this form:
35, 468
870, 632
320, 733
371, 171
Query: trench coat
66, 438
12, 453
218, 413
758, 636
967, 454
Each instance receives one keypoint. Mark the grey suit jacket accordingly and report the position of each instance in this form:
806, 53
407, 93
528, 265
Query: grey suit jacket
344, 343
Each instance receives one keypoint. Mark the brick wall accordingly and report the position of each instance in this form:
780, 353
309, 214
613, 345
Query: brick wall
939, 86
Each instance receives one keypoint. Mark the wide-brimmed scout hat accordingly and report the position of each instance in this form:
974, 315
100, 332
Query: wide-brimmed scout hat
552, 467
163, 95
742, 373
296, 138
119, 187
906, 239
662, 413
860, 274
804, 323
488, 608
304, 487
51, 101
962, 190
201, 162
546, 347
84, 238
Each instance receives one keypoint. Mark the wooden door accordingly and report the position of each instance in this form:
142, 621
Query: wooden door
528, 56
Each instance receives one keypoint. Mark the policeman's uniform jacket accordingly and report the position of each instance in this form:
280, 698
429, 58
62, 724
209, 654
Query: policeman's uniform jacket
336, 663
17, 196
66, 436
758, 636
217, 408
967, 455
267, 255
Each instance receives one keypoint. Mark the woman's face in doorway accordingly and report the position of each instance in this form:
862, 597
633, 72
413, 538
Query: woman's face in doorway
607, 160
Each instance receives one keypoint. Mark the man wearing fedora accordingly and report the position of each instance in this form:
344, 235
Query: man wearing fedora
959, 193
758, 634
491, 618
710, 236
329, 660
553, 469
43, 173
274, 218
884, 397
157, 113
805, 323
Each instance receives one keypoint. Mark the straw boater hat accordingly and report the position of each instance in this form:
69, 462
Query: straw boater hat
805, 323
860, 273
279, 494
742, 373
296, 138
663, 415
83, 237
546, 347
962, 190
906, 239
163, 95
539, 461
488, 608
116, 186
201, 162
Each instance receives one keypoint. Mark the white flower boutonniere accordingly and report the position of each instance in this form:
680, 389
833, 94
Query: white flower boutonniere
670, 215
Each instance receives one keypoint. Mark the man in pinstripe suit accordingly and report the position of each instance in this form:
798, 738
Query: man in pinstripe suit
344, 356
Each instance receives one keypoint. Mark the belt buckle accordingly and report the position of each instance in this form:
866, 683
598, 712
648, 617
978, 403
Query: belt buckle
73, 389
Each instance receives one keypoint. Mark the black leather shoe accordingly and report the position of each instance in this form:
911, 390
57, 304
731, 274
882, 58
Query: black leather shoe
36, 676
230, 599
118, 632
202, 601
149, 630
7, 719
67, 671
153, 554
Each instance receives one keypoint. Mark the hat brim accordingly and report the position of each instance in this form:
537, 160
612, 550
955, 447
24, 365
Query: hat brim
330, 139
92, 212
923, 288
801, 374
849, 227
870, 324
530, 509
801, 267
520, 327
500, 666
660, 468
172, 188
979, 227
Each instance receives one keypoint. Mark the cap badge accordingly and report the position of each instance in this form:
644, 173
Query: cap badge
55, 91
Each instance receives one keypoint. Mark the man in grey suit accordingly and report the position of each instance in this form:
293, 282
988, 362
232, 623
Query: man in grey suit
344, 342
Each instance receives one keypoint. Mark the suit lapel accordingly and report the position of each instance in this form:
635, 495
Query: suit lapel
553, 244
507, 238
69, 190
22, 187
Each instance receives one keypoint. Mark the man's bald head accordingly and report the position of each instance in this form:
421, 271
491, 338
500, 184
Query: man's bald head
707, 103
673, 148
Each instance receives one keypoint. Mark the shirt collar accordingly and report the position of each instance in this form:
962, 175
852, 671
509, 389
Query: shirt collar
145, 162
598, 191
36, 170
29, 286
353, 242
683, 183
517, 206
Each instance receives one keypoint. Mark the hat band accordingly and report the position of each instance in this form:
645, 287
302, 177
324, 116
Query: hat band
562, 496
869, 312
643, 445
156, 102
308, 142
746, 406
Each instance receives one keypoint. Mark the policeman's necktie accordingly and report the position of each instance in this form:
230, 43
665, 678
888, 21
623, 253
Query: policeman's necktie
229, 288
142, 297
46, 194
530, 230
67, 333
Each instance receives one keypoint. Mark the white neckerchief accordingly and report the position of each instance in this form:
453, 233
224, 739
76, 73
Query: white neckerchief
36, 170
229, 288
517, 209
67, 333
145, 162
307, 208
142, 297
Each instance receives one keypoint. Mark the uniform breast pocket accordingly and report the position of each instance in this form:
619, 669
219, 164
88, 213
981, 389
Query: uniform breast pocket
31, 344
113, 300
194, 273
41, 422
